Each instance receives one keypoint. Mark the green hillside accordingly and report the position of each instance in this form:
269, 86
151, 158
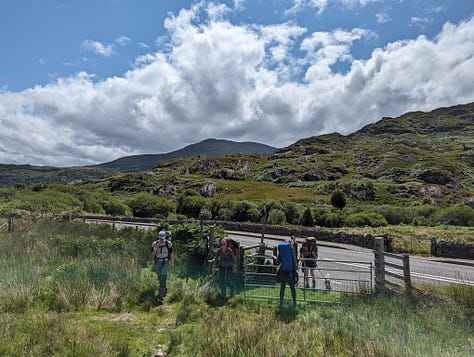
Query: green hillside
415, 156
412, 171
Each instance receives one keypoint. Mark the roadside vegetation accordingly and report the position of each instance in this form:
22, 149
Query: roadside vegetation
71, 289
168, 196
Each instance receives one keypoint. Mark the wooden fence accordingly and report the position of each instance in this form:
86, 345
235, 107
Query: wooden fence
398, 276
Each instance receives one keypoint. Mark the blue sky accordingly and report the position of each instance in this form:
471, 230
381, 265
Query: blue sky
85, 82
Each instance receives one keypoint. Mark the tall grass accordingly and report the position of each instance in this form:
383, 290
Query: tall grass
68, 289
383, 326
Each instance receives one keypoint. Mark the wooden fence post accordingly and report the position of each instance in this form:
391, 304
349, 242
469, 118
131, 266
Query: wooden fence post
10, 224
406, 271
211, 240
433, 247
379, 264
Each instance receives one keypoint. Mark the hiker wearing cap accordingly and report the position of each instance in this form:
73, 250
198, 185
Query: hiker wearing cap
162, 255
226, 263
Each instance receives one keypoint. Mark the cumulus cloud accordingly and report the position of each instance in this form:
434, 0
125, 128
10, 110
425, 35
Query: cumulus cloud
382, 18
321, 5
98, 48
218, 79
123, 40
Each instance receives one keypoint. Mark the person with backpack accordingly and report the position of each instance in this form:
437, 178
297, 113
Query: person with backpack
163, 259
286, 257
225, 262
309, 254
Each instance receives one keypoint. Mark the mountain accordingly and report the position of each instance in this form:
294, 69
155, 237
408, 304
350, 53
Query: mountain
208, 147
28, 174
418, 155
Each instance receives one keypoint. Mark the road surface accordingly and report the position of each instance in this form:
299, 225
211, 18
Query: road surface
423, 270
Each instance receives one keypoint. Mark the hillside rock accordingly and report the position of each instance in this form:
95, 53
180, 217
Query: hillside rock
208, 189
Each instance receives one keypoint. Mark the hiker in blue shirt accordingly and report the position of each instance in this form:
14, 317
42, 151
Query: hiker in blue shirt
162, 255
288, 268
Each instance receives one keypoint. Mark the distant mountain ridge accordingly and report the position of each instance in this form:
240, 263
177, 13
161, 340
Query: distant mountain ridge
11, 174
208, 147
414, 156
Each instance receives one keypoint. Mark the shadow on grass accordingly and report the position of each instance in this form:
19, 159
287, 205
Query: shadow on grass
286, 313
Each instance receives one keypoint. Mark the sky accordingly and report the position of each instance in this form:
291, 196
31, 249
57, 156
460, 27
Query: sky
89, 81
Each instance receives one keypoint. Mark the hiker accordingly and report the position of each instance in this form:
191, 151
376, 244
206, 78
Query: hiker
225, 262
309, 254
294, 243
162, 255
288, 268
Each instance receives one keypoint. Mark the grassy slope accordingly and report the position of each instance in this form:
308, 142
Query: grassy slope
77, 290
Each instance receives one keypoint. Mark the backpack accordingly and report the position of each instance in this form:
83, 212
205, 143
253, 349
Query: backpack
312, 245
287, 257
234, 246
168, 250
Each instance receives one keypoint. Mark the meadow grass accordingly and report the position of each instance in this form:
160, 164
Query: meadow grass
68, 289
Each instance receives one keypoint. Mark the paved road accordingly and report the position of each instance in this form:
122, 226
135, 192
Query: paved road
423, 270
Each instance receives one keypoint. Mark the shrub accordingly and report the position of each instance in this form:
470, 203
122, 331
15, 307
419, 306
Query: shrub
362, 219
192, 206
338, 199
114, 207
217, 205
276, 216
147, 205
320, 215
396, 215
456, 216
307, 218
242, 209
291, 211
333, 220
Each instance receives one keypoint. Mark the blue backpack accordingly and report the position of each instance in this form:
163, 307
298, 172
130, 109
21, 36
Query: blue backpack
286, 257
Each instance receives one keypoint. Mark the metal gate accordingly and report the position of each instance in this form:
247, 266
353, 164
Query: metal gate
333, 279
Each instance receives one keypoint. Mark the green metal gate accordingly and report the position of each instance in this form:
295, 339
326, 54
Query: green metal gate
333, 278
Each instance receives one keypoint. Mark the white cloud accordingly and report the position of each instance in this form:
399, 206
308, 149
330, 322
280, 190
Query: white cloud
123, 40
421, 21
382, 18
321, 5
98, 48
220, 80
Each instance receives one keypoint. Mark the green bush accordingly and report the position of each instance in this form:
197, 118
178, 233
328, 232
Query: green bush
244, 211
307, 218
362, 219
396, 215
114, 207
333, 220
292, 213
320, 214
456, 216
338, 199
220, 208
191, 206
147, 205
276, 217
